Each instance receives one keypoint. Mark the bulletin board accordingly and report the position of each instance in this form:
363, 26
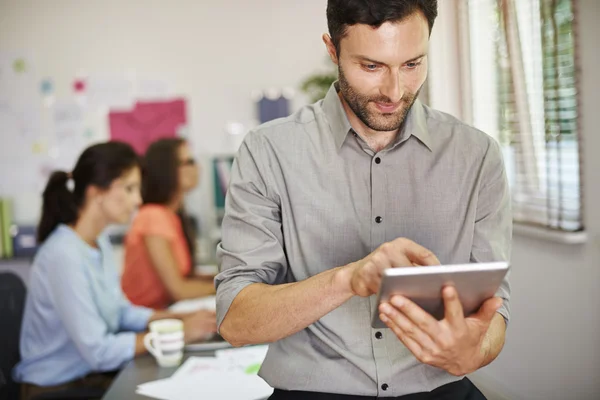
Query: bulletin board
42, 131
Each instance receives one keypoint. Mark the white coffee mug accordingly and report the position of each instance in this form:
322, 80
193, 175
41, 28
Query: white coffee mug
165, 341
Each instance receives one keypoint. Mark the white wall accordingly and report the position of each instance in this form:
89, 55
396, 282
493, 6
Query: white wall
445, 82
215, 53
553, 344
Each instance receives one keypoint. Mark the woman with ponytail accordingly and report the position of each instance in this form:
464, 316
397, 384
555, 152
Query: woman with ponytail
159, 248
58, 206
77, 323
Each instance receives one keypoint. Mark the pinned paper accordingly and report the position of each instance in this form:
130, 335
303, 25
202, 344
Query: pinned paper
19, 65
88, 133
49, 101
113, 92
272, 104
17, 83
151, 89
23, 121
68, 115
38, 148
46, 87
68, 118
79, 86
147, 122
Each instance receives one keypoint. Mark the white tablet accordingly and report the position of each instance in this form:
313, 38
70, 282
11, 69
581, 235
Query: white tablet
475, 283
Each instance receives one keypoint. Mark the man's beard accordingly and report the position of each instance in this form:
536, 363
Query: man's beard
359, 104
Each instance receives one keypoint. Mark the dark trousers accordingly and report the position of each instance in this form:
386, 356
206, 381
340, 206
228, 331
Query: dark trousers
460, 390
90, 387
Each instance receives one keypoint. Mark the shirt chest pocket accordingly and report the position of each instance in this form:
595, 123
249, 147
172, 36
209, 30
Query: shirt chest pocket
325, 230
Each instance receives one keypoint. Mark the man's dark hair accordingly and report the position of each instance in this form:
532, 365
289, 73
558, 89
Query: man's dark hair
344, 13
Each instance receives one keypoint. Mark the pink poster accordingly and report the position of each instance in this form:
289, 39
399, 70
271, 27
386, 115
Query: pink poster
147, 122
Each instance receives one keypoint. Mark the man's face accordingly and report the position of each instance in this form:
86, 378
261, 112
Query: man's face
381, 70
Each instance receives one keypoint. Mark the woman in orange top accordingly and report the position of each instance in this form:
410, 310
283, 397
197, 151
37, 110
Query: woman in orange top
159, 247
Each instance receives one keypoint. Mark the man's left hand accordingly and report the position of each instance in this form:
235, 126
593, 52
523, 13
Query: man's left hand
455, 344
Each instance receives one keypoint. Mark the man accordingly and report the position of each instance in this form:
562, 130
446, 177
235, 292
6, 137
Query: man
321, 202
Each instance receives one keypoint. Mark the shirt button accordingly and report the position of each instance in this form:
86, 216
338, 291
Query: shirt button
378, 335
377, 160
384, 386
378, 219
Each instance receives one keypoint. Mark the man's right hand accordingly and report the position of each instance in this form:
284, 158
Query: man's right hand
365, 275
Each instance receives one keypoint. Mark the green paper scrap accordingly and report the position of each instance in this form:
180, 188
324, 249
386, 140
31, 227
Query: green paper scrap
19, 65
252, 369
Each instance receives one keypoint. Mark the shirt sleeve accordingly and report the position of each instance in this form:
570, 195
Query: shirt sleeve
252, 249
133, 318
72, 298
493, 224
156, 221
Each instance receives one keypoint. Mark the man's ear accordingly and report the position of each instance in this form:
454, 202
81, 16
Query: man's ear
330, 48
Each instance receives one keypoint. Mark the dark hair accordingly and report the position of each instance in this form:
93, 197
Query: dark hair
99, 165
344, 13
160, 177
160, 182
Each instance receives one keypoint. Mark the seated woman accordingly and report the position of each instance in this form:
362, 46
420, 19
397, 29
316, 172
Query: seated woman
77, 323
159, 248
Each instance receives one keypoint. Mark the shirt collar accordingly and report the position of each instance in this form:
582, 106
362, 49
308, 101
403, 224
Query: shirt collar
92, 251
415, 123
336, 115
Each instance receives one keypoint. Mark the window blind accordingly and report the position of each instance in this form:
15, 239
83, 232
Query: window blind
524, 93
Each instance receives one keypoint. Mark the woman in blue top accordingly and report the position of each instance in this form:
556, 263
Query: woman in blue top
77, 322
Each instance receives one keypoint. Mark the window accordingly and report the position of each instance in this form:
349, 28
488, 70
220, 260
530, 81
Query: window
523, 91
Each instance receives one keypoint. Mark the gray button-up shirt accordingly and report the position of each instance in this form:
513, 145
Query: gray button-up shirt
307, 194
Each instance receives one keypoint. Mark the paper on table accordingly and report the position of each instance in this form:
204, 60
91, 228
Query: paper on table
206, 269
202, 303
209, 385
161, 389
195, 365
211, 377
245, 358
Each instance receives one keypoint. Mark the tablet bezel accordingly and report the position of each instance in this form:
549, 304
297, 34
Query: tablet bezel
475, 283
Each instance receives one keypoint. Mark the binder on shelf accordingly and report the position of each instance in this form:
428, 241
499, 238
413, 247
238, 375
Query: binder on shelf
221, 175
24, 240
1, 232
6, 222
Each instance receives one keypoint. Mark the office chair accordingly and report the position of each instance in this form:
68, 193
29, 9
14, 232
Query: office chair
12, 305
